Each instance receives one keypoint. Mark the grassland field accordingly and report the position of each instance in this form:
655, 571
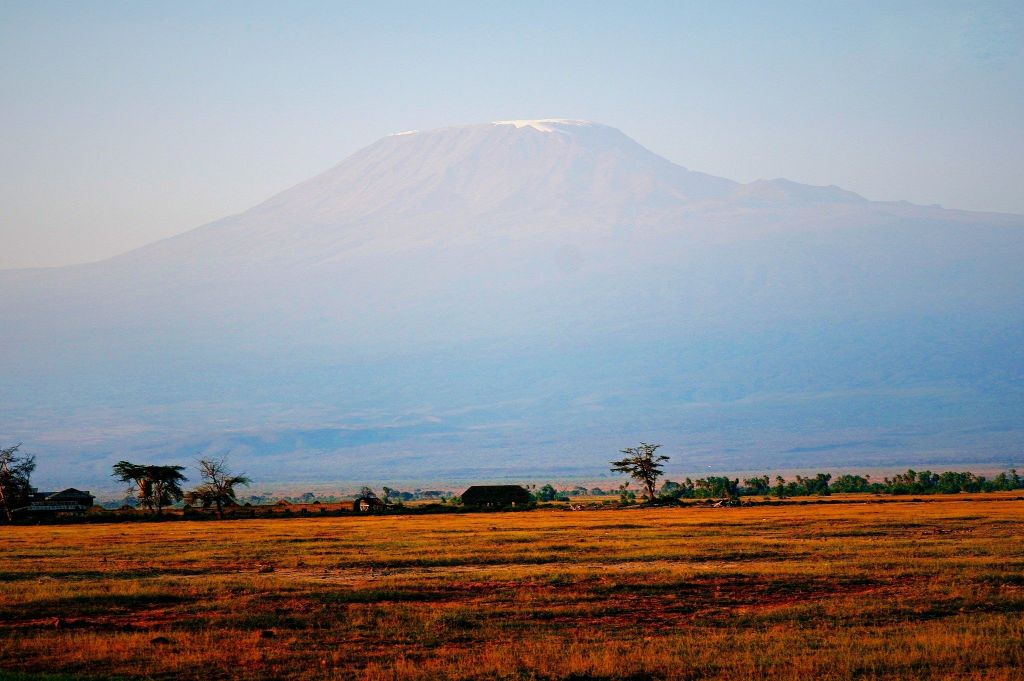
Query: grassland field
900, 590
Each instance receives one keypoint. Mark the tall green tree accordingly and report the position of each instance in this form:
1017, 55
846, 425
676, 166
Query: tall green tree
154, 486
15, 472
780, 486
759, 485
218, 488
641, 464
546, 493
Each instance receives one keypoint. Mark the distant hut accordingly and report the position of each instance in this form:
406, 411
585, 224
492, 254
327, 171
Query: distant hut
496, 496
367, 505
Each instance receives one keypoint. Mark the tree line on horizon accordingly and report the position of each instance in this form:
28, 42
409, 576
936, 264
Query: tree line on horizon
644, 465
823, 484
157, 487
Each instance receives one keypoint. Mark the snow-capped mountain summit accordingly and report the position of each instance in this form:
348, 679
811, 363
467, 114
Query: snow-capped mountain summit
458, 184
547, 124
491, 176
502, 288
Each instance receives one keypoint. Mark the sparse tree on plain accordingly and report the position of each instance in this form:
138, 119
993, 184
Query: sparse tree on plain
642, 465
154, 486
15, 472
626, 495
218, 488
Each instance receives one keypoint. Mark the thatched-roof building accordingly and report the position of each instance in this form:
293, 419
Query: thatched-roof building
496, 496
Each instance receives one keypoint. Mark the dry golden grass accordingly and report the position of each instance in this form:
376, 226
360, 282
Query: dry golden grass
897, 591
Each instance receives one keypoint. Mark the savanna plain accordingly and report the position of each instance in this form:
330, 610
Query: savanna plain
857, 590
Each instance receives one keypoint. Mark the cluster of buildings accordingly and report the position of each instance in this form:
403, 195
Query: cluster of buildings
72, 501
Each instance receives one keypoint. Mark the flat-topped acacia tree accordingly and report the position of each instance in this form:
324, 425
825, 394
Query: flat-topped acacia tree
154, 486
642, 465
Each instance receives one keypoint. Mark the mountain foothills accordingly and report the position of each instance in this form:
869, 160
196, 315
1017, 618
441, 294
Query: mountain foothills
523, 298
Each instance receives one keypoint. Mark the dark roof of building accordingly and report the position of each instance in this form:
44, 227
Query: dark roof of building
503, 494
70, 492
496, 488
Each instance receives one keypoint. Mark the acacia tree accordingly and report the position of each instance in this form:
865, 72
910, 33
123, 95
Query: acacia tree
218, 488
642, 465
154, 486
15, 472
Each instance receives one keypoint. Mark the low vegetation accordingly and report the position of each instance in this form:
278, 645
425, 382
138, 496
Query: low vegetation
822, 484
895, 590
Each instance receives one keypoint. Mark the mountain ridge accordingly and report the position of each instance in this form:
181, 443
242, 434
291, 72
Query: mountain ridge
326, 184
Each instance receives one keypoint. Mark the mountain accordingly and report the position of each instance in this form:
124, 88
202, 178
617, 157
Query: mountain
524, 298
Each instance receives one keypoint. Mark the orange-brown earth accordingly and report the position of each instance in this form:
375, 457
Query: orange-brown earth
868, 590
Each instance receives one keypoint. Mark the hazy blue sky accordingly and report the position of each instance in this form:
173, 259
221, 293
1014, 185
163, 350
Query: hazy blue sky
127, 122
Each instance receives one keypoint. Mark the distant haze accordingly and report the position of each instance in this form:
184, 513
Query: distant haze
526, 297
124, 122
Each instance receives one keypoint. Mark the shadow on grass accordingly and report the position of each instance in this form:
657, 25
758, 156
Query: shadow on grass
92, 605
379, 595
41, 676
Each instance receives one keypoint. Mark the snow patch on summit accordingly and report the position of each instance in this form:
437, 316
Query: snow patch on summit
544, 124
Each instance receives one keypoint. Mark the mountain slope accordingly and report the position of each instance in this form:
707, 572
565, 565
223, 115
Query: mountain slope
497, 290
